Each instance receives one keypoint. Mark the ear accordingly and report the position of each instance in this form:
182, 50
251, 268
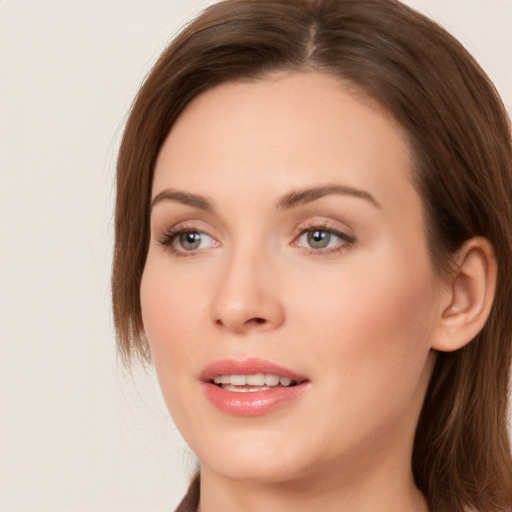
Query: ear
467, 296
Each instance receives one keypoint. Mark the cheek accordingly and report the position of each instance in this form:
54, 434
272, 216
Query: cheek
170, 314
170, 317
154, 299
373, 328
368, 298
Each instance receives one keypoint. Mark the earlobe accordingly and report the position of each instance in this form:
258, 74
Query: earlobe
468, 296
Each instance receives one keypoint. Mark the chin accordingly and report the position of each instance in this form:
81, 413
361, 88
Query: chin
260, 458
261, 472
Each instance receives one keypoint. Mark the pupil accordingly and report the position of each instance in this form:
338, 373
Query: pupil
319, 239
190, 240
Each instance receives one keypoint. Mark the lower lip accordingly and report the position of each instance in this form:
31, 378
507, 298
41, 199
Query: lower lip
252, 403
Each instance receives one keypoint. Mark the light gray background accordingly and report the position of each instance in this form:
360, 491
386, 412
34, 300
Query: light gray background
77, 433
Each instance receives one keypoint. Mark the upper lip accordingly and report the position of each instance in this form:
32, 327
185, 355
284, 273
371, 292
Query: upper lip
249, 366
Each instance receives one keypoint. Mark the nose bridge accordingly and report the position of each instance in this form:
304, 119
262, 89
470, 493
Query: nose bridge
247, 294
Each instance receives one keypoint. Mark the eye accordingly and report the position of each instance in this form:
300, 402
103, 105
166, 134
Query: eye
322, 239
192, 240
187, 241
318, 239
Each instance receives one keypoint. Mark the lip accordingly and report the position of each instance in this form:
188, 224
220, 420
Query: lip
254, 403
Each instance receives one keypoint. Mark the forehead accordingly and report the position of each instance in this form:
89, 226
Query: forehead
283, 131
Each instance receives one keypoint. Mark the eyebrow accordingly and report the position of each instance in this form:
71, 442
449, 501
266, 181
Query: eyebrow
289, 201
185, 198
308, 195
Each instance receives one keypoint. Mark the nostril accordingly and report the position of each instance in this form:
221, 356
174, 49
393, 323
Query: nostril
251, 321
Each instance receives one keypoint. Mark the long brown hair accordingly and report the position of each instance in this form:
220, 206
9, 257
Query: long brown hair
459, 135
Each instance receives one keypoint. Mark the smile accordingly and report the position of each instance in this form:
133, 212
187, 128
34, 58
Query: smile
251, 383
252, 387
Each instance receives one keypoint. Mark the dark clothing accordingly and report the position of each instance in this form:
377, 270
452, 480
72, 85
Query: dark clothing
191, 500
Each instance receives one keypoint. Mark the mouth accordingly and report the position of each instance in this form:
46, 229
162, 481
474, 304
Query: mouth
252, 383
251, 387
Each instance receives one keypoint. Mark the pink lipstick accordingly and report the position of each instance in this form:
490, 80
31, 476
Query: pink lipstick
251, 387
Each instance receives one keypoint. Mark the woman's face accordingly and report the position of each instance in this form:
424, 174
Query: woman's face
287, 241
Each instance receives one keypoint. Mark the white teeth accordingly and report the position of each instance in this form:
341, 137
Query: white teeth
244, 389
258, 380
271, 380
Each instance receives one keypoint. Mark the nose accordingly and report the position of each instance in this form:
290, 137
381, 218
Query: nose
247, 295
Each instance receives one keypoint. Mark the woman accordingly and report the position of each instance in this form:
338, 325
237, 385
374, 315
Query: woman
313, 237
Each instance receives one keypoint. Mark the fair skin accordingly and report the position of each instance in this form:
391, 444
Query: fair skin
335, 285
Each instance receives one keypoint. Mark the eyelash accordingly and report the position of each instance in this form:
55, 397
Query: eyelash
346, 241
168, 238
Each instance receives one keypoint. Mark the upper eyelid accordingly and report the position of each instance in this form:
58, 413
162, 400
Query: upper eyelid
324, 224
344, 237
174, 231
199, 225
185, 219
195, 225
